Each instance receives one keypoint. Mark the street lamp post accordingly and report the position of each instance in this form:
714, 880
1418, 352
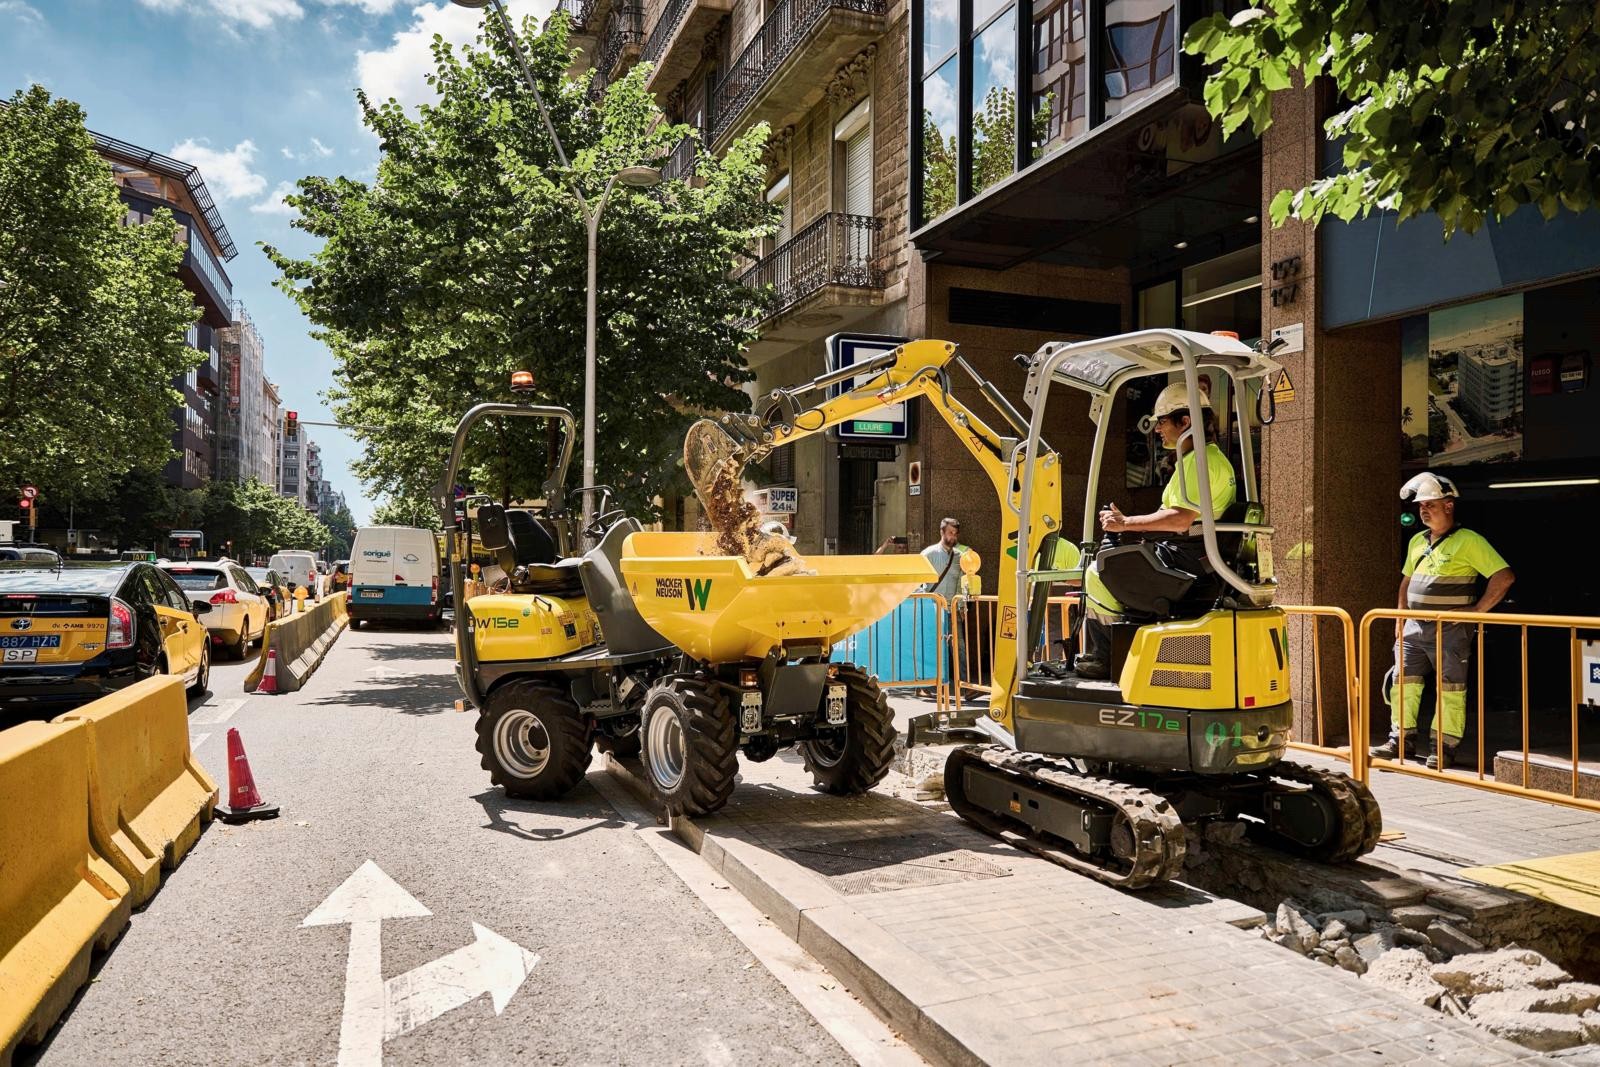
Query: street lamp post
636, 177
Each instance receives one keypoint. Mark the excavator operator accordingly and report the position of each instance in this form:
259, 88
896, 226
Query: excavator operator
1178, 512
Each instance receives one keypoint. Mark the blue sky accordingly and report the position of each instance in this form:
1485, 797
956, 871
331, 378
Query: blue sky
257, 93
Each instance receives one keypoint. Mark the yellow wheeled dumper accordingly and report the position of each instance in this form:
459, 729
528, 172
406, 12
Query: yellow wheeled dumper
661, 642
1194, 721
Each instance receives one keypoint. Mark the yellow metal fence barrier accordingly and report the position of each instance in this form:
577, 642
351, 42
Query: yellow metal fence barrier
972, 631
1523, 623
1311, 616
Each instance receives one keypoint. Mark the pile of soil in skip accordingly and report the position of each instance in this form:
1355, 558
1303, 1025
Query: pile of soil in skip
737, 523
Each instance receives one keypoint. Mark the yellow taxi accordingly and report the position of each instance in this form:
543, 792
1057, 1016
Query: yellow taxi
72, 633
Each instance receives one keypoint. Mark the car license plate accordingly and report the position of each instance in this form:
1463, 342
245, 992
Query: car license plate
19, 655
31, 641
836, 695
372, 594
749, 711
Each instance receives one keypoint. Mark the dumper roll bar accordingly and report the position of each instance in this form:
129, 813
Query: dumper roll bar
466, 651
1101, 369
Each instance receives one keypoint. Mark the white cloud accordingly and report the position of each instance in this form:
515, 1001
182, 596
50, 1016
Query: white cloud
274, 203
228, 173
287, 153
322, 151
400, 71
22, 12
318, 150
257, 14
371, 7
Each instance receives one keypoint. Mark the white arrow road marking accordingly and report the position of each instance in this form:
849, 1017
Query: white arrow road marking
375, 1010
491, 964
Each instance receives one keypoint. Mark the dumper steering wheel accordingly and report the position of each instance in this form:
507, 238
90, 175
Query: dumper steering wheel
604, 514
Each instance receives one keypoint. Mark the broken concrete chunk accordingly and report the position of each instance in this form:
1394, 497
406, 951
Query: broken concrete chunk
1415, 938
1490, 972
1452, 940
1335, 931
1541, 1031
1352, 918
1591, 1026
1570, 998
1297, 931
1404, 971
1416, 916
1348, 958
1376, 944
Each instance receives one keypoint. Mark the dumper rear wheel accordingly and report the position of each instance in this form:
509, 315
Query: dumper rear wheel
691, 745
533, 742
856, 757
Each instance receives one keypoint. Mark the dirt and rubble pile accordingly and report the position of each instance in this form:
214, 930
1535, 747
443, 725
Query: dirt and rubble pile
718, 477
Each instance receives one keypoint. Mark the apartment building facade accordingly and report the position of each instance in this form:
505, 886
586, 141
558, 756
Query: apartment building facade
147, 181
244, 430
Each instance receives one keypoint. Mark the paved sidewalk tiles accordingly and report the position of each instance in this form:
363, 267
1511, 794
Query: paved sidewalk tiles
1029, 963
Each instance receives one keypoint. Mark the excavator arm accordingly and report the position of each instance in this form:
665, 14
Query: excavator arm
921, 369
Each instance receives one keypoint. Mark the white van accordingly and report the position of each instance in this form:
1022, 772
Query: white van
394, 574
299, 568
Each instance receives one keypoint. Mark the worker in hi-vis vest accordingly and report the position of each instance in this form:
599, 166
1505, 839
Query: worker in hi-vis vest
1443, 568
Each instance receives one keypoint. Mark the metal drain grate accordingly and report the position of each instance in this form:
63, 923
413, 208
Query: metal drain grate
882, 864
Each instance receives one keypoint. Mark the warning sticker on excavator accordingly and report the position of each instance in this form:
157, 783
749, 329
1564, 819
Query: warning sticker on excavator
1008, 623
1283, 389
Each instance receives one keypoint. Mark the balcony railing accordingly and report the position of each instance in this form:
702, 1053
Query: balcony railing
666, 26
579, 11
679, 164
836, 249
624, 28
784, 29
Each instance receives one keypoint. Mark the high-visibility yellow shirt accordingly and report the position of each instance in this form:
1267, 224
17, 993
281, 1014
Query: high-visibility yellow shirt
1224, 490
1444, 573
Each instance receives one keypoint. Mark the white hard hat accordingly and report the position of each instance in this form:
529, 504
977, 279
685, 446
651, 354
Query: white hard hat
1175, 397
1428, 486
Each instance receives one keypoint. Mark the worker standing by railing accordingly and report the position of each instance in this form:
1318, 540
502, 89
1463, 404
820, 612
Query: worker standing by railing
1444, 564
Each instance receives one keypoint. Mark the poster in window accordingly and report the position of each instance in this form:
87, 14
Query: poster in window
1461, 384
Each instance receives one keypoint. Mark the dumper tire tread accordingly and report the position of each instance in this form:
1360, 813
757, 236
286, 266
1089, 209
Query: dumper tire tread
869, 739
711, 741
564, 726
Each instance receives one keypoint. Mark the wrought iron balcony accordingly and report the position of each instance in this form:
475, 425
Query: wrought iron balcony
623, 35
580, 12
679, 164
836, 250
780, 37
673, 47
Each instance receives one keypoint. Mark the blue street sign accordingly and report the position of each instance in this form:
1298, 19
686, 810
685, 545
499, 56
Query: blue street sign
889, 423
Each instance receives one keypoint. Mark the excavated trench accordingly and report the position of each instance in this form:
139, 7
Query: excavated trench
1523, 968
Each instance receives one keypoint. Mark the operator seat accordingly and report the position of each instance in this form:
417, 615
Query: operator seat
624, 629
530, 540
1150, 589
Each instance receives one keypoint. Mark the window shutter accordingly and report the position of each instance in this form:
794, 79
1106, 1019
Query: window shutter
858, 172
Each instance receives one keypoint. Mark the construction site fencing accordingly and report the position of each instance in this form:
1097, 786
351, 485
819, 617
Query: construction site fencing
1310, 619
908, 648
1548, 768
973, 622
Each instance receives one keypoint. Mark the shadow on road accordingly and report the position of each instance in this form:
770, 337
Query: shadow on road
503, 813
420, 650
409, 694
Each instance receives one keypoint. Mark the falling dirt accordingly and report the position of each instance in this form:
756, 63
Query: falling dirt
718, 476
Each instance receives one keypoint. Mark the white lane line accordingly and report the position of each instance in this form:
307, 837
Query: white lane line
196, 740
859, 1032
215, 715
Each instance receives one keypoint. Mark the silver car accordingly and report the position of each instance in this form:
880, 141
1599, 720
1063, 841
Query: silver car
239, 610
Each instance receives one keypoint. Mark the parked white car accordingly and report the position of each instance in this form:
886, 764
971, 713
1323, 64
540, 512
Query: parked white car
300, 568
239, 610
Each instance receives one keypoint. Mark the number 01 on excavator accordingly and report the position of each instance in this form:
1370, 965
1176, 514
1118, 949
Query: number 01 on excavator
1193, 724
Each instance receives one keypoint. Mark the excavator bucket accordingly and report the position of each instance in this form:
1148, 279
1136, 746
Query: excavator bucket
719, 609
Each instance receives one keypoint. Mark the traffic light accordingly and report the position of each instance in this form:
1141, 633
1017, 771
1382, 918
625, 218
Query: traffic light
291, 425
25, 503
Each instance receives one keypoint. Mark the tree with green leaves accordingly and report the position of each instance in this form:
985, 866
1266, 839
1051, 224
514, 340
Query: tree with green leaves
396, 510
92, 314
341, 531
465, 260
256, 521
1468, 110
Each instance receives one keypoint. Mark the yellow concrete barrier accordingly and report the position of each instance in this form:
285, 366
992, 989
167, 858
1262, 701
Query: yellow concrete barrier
147, 795
59, 899
300, 641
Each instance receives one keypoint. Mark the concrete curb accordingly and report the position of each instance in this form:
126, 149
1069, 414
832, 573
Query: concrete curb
885, 975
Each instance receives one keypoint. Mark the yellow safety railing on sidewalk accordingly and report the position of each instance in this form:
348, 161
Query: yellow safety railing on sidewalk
972, 629
1311, 616
1523, 623
898, 639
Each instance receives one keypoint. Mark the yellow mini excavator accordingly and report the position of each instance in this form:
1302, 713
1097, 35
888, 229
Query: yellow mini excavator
1194, 722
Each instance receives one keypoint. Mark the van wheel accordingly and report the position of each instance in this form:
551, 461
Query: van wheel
534, 743
691, 745
856, 758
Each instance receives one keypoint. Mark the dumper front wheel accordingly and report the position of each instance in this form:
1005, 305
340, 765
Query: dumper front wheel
533, 742
854, 758
691, 745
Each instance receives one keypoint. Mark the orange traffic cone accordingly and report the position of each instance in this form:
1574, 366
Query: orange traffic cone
269, 676
244, 802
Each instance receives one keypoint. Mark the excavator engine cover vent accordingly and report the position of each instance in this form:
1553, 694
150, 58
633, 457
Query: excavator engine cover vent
1181, 679
1190, 649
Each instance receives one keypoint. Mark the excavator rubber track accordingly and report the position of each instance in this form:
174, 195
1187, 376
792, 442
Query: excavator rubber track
1360, 820
1152, 836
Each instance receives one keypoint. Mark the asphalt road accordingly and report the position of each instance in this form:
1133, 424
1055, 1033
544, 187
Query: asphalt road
370, 762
